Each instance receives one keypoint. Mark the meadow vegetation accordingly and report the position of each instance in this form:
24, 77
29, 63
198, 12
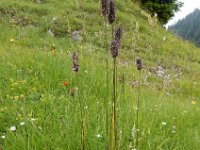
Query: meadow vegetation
40, 94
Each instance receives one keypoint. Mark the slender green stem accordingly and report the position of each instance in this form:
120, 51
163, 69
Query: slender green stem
83, 134
104, 45
114, 116
123, 106
112, 31
137, 112
115, 101
107, 80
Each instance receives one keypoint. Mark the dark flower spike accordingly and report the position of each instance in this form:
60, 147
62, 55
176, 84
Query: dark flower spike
104, 7
139, 64
118, 34
114, 48
111, 14
75, 66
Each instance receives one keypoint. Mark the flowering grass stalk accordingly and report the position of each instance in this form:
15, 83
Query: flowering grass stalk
75, 68
105, 11
113, 135
139, 68
115, 45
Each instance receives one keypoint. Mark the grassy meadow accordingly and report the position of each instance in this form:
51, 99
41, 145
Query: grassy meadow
43, 101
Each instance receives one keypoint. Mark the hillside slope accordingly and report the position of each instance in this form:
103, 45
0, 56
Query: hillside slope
47, 115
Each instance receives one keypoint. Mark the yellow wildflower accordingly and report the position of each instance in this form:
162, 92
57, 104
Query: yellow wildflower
21, 96
194, 102
12, 40
16, 97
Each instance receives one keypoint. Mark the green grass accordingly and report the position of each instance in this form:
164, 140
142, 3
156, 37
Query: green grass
31, 79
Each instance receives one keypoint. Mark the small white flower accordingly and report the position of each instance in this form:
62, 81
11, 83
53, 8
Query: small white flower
3, 136
174, 127
50, 32
13, 128
33, 119
40, 127
86, 107
22, 123
173, 131
54, 19
164, 123
86, 71
98, 136
134, 149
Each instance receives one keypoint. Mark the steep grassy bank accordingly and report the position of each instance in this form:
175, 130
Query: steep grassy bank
32, 90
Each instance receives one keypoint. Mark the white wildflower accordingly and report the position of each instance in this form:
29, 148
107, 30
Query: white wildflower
98, 136
54, 19
164, 123
33, 119
22, 123
174, 127
3, 136
51, 32
173, 131
13, 128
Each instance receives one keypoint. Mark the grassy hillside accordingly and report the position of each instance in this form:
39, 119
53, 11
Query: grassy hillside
47, 115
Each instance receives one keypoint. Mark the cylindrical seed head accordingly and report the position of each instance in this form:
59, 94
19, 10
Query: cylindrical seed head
75, 66
104, 7
118, 34
139, 64
114, 48
111, 14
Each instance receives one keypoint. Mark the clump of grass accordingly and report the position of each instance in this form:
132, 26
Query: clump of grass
56, 120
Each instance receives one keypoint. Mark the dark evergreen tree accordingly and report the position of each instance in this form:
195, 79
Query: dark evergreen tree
164, 9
